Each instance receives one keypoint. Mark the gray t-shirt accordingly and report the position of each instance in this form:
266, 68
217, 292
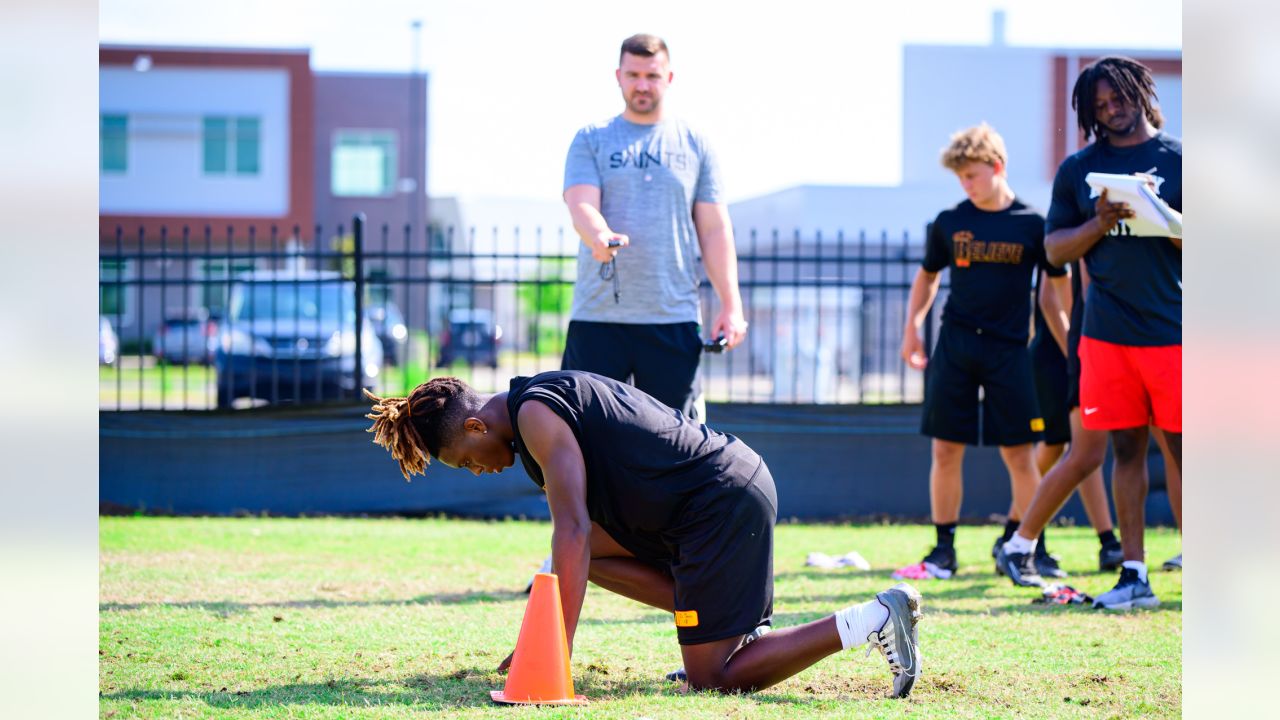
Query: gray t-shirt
649, 178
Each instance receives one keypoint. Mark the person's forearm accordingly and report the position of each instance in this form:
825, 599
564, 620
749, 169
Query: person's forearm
1056, 317
571, 557
923, 291
1070, 244
720, 258
588, 223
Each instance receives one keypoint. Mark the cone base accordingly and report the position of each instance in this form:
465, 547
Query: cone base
499, 696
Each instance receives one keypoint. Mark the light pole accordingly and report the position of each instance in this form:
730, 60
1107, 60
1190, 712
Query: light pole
415, 131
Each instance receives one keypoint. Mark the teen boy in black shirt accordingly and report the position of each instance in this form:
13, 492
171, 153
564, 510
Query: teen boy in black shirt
993, 244
653, 506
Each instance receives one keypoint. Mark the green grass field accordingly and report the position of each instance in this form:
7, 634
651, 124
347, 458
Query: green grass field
339, 618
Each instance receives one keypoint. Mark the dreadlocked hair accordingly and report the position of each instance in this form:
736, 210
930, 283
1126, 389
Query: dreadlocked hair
1130, 79
414, 428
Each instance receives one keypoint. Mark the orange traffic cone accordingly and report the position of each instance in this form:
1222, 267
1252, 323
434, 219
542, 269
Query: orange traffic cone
539, 673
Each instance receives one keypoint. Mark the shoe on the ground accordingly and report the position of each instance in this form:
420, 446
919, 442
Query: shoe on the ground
1047, 567
679, 675
1110, 557
939, 564
897, 640
1130, 592
995, 547
1020, 568
1173, 563
546, 568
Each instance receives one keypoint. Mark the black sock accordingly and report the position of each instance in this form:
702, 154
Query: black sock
946, 535
1042, 547
1108, 539
1010, 527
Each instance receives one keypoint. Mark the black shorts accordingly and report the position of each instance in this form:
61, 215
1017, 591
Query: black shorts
1073, 371
661, 360
722, 561
1052, 389
964, 360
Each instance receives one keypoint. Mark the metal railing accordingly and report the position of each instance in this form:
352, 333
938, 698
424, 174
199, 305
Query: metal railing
311, 315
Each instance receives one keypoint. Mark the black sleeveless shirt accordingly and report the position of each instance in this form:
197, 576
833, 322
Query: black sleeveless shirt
646, 464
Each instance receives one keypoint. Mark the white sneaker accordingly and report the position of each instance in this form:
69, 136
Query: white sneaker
854, 560
821, 560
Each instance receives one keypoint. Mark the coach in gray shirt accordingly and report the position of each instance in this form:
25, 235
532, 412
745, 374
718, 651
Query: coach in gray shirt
642, 188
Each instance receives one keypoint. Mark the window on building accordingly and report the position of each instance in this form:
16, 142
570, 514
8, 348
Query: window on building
363, 163
113, 131
112, 299
232, 145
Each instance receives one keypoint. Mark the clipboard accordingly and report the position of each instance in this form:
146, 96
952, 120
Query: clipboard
1153, 216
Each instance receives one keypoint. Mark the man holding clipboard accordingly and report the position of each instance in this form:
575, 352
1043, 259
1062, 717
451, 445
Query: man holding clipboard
1131, 347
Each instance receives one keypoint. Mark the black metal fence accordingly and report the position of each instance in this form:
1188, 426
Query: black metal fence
201, 318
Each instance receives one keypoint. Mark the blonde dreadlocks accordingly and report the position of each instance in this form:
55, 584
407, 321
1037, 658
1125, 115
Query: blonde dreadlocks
414, 428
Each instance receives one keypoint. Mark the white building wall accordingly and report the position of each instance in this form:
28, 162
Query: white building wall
946, 89
164, 173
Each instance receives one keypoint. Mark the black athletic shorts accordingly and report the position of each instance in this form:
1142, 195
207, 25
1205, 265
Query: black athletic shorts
1052, 389
1073, 370
722, 561
661, 360
964, 360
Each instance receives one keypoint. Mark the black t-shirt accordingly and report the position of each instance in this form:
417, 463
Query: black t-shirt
644, 460
993, 258
1135, 289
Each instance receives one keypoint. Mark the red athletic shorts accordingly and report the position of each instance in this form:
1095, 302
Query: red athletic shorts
1124, 386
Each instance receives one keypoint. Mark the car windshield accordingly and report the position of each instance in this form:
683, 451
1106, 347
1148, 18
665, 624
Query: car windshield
287, 300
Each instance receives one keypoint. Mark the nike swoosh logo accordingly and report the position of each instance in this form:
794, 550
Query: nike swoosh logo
1090, 411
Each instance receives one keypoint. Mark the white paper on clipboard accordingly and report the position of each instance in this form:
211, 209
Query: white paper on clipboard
1153, 216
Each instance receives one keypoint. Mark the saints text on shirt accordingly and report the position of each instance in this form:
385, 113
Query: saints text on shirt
640, 159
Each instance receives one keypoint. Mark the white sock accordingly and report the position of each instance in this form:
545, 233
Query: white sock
1019, 544
856, 622
1138, 565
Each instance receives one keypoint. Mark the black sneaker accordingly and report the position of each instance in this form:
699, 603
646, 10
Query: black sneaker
1110, 557
1019, 567
939, 564
1047, 567
1130, 592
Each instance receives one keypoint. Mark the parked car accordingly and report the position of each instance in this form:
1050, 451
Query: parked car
470, 335
186, 338
389, 326
289, 335
108, 343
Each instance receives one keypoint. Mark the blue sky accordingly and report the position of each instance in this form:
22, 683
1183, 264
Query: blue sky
790, 92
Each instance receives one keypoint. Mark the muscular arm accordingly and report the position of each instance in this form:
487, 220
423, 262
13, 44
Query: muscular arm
1069, 244
923, 291
1055, 303
720, 257
592, 228
554, 447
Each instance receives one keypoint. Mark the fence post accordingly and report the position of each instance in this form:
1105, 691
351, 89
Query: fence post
357, 232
